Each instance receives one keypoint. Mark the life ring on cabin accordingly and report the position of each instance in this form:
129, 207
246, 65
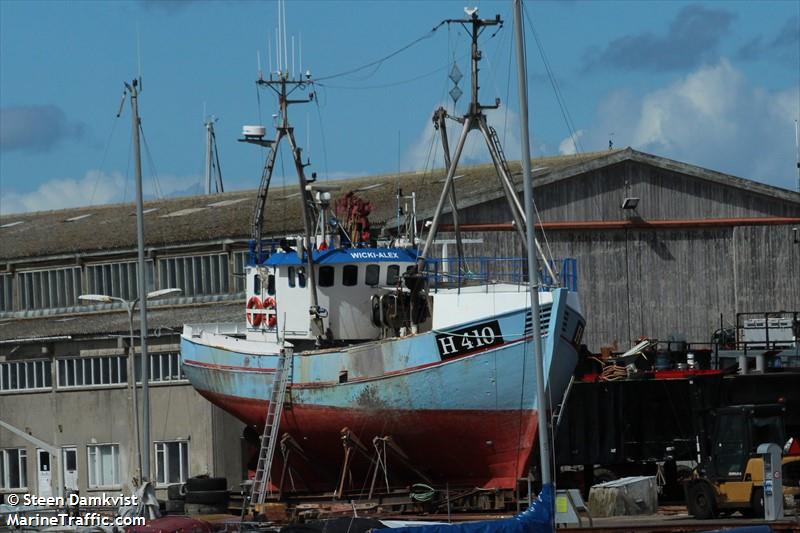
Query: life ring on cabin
272, 318
254, 316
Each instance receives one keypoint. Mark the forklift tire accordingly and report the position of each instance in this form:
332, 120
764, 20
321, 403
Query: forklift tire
701, 501
757, 502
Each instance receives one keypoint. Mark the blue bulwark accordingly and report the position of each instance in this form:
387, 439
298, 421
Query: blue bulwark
347, 256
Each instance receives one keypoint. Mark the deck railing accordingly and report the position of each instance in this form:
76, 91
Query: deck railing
453, 272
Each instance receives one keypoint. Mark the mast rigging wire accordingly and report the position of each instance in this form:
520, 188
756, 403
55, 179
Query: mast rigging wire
103, 159
150, 163
565, 114
380, 61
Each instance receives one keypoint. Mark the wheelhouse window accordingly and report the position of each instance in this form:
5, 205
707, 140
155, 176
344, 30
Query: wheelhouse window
392, 274
291, 276
172, 462
350, 275
373, 275
13, 468
326, 276
301, 277
271, 284
103, 462
256, 284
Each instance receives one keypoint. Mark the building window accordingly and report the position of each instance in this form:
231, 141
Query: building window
120, 280
197, 275
13, 468
392, 274
25, 375
291, 276
6, 292
172, 462
103, 465
349, 275
47, 289
92, 371
239, 270
372, 277
326, 276
164, 367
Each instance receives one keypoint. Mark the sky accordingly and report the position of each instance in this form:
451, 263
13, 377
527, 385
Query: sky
716, 84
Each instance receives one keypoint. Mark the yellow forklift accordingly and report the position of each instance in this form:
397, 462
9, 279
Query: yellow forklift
730, 474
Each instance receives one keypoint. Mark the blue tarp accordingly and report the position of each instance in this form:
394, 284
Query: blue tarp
538, 518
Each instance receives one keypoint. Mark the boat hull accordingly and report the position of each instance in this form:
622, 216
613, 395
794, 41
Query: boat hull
467, 420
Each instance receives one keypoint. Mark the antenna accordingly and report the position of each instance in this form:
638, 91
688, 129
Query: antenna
293, 70
300, 47
277, 50
258, 64
269, 55
139, 56
285, 51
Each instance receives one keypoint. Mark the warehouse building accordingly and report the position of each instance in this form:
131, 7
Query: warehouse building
661, 248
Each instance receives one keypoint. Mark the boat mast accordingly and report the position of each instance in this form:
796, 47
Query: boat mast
213, 170
533, 267
284, 87
476, 119
142, 281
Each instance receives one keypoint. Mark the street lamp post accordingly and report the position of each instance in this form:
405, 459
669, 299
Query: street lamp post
130, 307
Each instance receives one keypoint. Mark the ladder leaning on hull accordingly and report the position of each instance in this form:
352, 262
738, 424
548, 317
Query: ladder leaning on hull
272, 424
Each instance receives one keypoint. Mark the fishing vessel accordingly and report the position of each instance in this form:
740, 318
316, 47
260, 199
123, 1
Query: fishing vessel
347, 342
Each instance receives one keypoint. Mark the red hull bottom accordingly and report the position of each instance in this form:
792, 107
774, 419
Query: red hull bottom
488, 449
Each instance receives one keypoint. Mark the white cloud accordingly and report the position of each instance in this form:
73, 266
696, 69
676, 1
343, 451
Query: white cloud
94, 188
567, 146
714, 117
426, 151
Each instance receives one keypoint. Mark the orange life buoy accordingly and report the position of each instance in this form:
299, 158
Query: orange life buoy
254, 317
272, 318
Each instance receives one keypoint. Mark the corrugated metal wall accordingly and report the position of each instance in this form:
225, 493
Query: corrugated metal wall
662, 283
